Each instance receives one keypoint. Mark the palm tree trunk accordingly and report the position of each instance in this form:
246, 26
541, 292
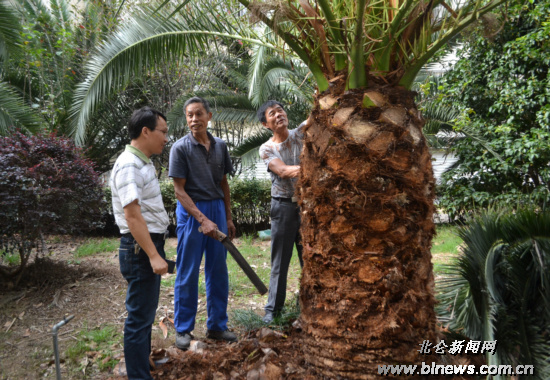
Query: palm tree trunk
366, 194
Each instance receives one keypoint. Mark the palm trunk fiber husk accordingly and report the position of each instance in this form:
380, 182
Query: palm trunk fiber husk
366, 194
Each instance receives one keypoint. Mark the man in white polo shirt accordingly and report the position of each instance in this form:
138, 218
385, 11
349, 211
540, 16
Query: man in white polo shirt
142, 219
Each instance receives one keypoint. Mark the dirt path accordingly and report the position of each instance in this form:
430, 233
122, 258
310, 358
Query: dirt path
93, 290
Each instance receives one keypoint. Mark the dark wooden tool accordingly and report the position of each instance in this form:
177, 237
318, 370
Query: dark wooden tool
252, 276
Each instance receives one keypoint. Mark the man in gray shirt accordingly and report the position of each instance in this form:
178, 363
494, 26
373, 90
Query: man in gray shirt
281, 154
199, 164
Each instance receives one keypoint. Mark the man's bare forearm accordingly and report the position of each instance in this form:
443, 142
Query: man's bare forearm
226, 197
283, 170
190, 206
209, 227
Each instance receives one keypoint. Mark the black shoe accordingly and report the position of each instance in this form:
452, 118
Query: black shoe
183, 340
226, 335
268, 317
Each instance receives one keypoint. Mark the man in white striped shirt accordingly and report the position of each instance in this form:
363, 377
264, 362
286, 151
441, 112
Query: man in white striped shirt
142, 219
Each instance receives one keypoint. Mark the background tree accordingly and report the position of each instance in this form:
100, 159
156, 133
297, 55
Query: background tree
43, 46
47, 69
366, 187
13, 109
163, 88
46, 187
501, 86
255, 77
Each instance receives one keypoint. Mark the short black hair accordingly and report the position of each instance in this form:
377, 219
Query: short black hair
197, 99
261, 111
143, 117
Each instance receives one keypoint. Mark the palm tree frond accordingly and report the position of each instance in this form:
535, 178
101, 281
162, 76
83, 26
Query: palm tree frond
14, 112
254, 74
137, 45
248, 150
9, 31
61, 13
499, 287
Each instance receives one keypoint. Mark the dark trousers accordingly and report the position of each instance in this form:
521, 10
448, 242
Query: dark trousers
285, 232
142, 298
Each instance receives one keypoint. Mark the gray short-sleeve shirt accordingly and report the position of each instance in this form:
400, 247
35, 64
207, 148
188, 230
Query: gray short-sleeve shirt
203, 170
289, 152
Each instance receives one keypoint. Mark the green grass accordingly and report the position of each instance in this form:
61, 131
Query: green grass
95, 246
260, 261
171, 253
247, 239
169, 281
55, 239
248, 320
445, 247
446, 240
101, 340
9, 259
259, 258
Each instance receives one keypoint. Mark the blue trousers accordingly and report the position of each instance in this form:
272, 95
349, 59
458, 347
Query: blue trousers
142, 297
191, 245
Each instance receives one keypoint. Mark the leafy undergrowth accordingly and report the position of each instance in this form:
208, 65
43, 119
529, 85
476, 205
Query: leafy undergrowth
98, 344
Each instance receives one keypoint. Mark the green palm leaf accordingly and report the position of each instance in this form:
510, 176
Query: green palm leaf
401, 39
248, 149
280, 76
395, 39
34, 8
9, 31
61, 13
225, 106
255, 73
139, 44
439, 124
15, 113
499, 287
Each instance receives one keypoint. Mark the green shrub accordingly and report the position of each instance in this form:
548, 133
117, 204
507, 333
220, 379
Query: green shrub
499, 288
169, 199
250, 204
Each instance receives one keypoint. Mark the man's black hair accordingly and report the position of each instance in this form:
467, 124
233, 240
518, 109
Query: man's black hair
261, 111
197, 99
143, 117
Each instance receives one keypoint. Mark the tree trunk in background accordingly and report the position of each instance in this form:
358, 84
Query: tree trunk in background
366, 193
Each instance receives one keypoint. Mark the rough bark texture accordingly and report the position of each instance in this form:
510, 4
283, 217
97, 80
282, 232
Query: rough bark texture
366, 193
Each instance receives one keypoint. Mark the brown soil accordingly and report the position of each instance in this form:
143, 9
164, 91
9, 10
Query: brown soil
93, 290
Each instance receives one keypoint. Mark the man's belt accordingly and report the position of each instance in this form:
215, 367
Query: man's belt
154, 236
288, 200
